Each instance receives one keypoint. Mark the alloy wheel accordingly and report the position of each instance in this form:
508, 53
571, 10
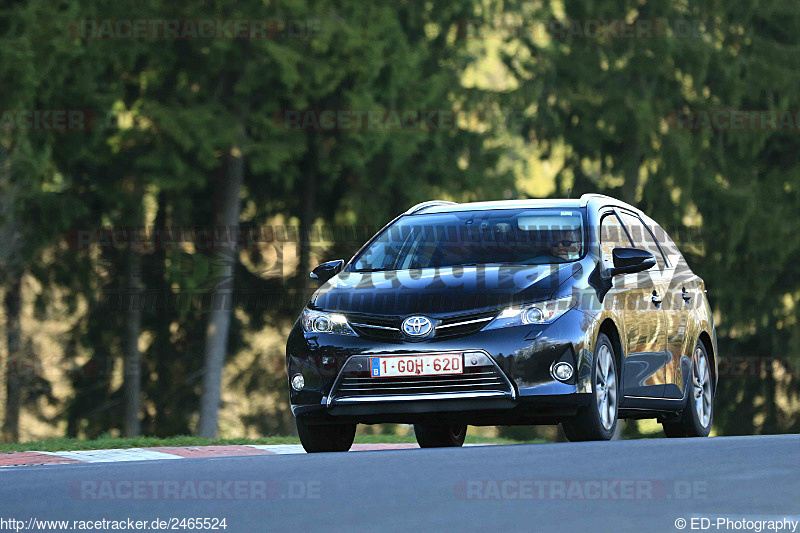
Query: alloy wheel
606, 387
702, 387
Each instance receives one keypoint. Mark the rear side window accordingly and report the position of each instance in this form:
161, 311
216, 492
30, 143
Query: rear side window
612, 235
642, 238
667, 245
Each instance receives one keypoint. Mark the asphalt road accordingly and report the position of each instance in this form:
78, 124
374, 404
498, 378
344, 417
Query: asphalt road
638, 485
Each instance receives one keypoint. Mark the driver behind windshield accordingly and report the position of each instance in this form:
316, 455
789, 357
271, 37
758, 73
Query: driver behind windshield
566, 244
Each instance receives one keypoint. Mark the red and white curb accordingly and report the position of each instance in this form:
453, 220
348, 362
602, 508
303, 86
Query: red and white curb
161, 453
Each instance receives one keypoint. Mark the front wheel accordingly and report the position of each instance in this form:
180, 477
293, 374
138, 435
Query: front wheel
699, 411
440, 435
325, 438
598, 420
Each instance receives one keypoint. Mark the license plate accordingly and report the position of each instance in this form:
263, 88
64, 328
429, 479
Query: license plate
416, 365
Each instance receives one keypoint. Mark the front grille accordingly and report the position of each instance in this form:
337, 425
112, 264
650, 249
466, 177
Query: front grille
482, 377
387, 328
398, 386
377, 327
463, 324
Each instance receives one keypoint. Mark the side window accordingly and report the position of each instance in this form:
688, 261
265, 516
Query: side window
612, 235
642, 238
670, 249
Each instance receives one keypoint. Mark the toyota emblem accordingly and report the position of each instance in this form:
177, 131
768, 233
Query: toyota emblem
417, 326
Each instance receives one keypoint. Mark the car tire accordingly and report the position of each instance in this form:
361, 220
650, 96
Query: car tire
440, 435
698, 414
598, 420
325, 437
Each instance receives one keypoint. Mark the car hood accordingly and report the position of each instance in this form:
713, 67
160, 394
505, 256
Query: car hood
440, 291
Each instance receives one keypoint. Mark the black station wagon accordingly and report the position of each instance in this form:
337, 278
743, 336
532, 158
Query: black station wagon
578, 312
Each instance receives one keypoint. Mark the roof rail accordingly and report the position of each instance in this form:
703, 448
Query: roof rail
430, 203
588, 196
585, 198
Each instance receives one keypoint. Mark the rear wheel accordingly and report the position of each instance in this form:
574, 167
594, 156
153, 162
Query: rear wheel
325, 438
440, 435
598, 420
699, 411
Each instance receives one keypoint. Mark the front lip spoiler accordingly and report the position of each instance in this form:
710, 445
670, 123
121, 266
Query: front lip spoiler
329, 401
421, 397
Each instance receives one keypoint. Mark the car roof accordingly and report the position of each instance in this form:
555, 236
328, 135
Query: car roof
593, 200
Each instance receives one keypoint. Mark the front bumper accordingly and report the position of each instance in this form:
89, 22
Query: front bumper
510, 382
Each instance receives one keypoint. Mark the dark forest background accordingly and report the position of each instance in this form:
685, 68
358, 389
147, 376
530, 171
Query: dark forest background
187, 133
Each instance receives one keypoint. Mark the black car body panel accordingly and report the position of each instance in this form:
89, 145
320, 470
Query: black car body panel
654, 317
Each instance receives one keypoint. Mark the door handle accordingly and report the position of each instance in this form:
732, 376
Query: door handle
686, 296
656, 299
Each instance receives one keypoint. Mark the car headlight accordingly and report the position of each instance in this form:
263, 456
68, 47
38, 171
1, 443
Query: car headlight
538, 313
319, 322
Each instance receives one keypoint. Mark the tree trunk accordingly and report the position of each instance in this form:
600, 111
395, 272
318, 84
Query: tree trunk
133, 358
310, 167
162, 350
14, 364
219, 320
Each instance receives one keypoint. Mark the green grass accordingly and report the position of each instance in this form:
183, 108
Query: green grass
107, 442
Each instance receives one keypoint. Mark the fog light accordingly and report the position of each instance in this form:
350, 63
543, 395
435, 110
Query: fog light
562, 371
298, 382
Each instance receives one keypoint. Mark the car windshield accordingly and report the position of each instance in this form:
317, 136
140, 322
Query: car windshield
492, 237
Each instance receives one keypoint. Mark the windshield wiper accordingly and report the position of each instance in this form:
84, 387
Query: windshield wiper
368, 270
481, 264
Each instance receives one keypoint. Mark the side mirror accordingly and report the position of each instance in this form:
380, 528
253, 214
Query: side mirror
326, 271
631, 260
